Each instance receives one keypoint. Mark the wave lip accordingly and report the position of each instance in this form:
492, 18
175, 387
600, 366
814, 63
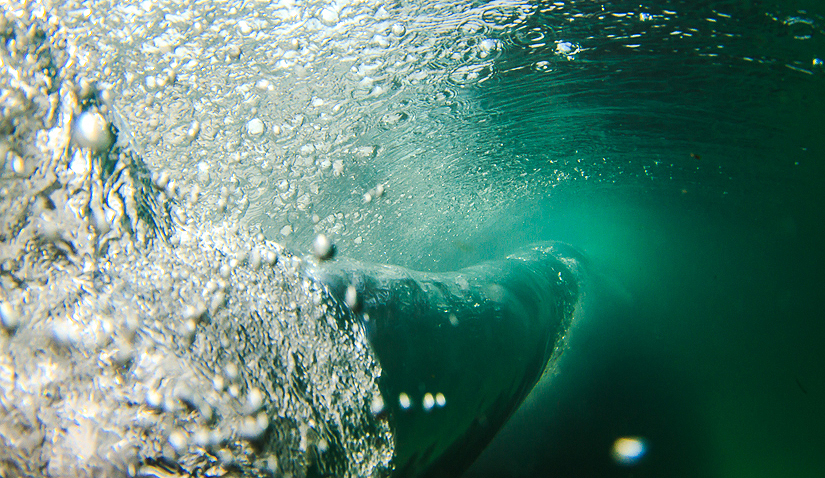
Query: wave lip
460, 350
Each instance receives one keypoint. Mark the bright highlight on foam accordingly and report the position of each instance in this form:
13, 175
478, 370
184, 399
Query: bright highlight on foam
628, 450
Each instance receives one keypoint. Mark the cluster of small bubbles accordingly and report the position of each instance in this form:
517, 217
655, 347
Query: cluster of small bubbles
472, 73
487, 47
393, 119
253, 426
191, 407
374, 193
503, 17
567, 49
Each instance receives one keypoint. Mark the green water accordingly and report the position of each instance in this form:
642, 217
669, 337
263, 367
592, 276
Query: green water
683, 153
702, 210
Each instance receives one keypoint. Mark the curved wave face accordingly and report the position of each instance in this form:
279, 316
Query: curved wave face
460, 350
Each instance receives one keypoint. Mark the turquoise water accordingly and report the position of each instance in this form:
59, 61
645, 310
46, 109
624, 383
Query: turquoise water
699, 200
680, 147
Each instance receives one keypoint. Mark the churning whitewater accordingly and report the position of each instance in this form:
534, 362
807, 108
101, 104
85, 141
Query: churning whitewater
151, 324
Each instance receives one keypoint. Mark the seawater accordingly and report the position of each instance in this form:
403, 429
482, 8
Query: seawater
678, 146
690, 141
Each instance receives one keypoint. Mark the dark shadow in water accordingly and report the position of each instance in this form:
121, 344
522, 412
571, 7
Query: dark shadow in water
604, 390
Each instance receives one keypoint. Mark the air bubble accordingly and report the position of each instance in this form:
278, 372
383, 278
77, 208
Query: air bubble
255, 259
92, 131
154, 399
255, 127
534, 37
351, 298
194, 312
328, 16
231, 371
193, 131
542, 66
428, 402
470, 74
162, 180
233, 52
380, 41
628, 450
244, 27
440, 399
399, 30
322, 247
254, 400
8, 316
377, 405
